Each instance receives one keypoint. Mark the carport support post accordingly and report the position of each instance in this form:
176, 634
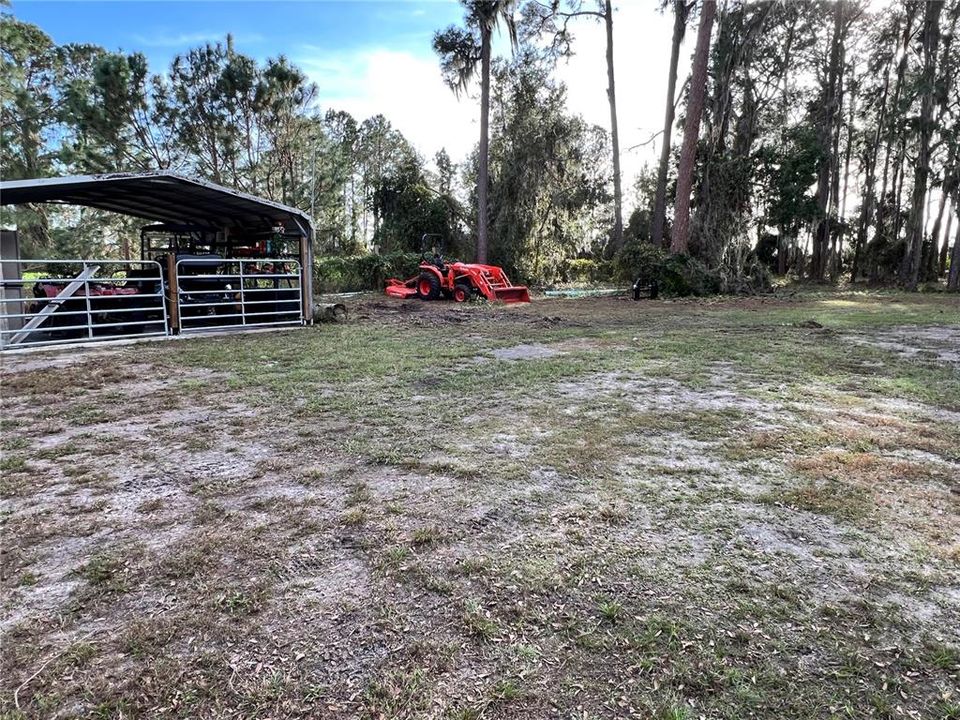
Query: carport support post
173, 293
306, 277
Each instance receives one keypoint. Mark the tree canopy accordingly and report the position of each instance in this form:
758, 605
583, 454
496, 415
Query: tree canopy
827, 145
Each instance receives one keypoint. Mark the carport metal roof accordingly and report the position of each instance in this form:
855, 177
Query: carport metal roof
160, 196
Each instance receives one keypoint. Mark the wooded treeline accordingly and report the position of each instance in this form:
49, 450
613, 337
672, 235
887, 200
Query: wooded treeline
813, 138
829, 143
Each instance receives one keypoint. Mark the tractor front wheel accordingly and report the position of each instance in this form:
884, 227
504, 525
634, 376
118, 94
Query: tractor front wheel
428, 286
462, 292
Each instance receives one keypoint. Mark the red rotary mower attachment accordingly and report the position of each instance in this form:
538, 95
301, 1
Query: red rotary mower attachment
459, 281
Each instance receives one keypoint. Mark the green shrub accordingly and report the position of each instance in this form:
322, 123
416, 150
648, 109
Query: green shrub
682, 275
586, 271
676, 275
745, 275
638, 259
349, 273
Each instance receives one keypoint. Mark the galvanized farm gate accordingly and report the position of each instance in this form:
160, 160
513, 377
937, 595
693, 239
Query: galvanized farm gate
57, 302
60, 302
217, 294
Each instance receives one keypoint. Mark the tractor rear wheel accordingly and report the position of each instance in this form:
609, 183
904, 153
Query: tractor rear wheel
462, 292
428, 286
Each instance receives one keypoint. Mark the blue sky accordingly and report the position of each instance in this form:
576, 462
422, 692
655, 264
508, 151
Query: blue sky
262, 29
369, 57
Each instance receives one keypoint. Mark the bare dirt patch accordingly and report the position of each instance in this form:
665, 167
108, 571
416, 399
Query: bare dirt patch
940, 343
657, 509
651, 394
524, 352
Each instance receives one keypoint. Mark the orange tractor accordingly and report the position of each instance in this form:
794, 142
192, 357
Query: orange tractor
456, 280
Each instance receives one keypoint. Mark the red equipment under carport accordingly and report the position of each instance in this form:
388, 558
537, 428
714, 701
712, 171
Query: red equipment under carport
458, 281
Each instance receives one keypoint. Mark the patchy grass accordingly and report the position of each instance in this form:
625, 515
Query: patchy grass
664, 510
427, 535
610, 610
831, 497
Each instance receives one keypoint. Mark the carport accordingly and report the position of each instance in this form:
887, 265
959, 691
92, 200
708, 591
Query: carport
211, 258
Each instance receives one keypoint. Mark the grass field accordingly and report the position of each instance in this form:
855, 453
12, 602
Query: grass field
586, 508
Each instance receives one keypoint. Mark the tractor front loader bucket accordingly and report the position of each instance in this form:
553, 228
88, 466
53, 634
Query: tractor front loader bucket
492, 282
512, 294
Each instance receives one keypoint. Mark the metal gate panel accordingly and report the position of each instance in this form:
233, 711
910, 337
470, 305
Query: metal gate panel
222, 294
55, 302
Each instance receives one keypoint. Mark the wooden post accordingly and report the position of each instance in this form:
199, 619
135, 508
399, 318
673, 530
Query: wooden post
306, 301
172, 293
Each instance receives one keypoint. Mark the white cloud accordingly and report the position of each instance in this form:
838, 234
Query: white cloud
409, 90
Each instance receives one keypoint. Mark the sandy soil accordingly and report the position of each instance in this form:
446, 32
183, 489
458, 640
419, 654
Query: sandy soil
610, 509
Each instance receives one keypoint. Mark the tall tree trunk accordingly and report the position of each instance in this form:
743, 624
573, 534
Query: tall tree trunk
614, 133
873, 154
852, 92
483, 179
951, 174
691, 129
825, 134
660, 204
783, 243
945, 250
846, 156
834, 259
914, 248
898, 179
930, 270
953, 282
894, 115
